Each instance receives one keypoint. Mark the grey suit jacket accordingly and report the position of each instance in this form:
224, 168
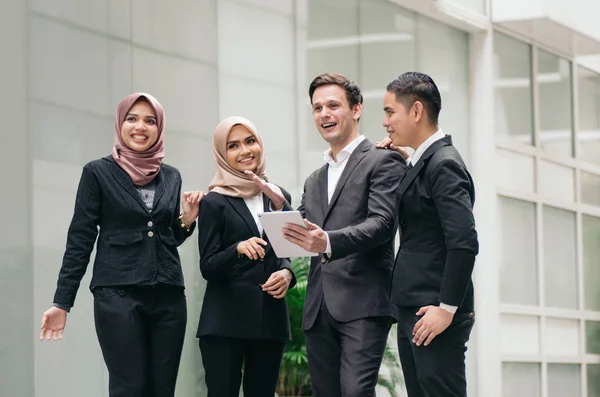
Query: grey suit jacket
361, 223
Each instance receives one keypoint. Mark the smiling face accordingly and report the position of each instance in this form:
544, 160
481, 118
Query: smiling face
335, 120
400, 123
139, 130
243, 150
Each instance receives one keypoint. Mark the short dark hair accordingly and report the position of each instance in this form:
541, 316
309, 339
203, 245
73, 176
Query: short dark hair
352, 89
410, 87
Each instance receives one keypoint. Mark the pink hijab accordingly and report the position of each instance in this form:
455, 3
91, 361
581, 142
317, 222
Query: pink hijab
228, 181
142, 167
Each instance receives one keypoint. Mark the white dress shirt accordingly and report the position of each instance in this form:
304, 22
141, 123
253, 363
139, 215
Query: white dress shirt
334, 172
424, 146
256, 206
413, 160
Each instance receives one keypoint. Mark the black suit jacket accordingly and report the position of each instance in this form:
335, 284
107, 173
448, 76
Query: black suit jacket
132, 242
361, 223
438, 237
234, 304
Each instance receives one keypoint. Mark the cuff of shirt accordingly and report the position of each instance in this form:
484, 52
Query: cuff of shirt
448, 308
61, 306
328, 248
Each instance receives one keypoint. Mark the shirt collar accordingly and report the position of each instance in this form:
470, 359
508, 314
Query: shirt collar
425, 145
344, 153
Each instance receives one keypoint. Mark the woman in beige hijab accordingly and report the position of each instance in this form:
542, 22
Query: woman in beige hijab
244, 319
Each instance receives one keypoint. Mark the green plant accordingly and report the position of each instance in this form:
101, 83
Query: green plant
390, 375
294, 378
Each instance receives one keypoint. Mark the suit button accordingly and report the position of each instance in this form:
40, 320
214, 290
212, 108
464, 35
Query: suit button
150, 234
403, 225
150, 224
323, 260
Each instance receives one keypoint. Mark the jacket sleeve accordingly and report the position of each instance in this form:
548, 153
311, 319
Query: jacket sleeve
379, 227
80, 238
216, 260
180, 232
452, 191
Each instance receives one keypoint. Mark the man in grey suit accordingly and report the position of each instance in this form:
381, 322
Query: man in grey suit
350, 215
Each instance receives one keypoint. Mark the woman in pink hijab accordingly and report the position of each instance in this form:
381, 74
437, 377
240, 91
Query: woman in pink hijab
128, 203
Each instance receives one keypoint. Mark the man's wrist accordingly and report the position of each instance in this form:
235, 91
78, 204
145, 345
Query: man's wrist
327, 250
449, 308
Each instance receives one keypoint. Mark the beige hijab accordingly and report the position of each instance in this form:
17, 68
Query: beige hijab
228, 181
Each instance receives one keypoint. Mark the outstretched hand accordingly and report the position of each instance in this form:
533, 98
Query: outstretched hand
273, 192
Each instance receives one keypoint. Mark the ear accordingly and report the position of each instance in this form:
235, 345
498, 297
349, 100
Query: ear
417, 111
357, 111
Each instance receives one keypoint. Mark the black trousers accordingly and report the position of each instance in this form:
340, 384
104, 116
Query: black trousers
437, 370
223, 358
141, 332
344, 358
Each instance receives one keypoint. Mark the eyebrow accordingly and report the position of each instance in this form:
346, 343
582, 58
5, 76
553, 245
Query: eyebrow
327, 101
248, 137
386, 108
137, 115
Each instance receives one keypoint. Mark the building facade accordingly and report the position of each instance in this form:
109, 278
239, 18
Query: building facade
520, 84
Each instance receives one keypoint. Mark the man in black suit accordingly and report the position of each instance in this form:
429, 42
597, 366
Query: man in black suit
349, 209
431, 282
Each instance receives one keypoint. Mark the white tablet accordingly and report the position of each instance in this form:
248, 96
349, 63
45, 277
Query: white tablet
273, 223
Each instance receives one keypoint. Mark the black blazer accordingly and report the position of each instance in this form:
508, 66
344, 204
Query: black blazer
234, 304
361, 224
132, 242
438, 237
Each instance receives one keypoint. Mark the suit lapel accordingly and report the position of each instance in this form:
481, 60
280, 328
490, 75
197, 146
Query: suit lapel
242, 209
161, 183
322, 191
266, 208
355, 158
125, 181
410, 174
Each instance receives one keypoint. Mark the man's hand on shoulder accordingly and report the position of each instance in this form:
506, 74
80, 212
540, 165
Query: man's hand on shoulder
386, 143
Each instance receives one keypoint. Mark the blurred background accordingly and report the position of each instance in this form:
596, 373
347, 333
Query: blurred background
520, 84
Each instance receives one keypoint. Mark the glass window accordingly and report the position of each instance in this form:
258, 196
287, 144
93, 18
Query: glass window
588, 111
521, 380
590, 188
560, 259
519, 334
564, 380
591, 262
593, 380
374, 41
332, 46
512, 86
443, 54
554, 88
518, 270
592, 337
